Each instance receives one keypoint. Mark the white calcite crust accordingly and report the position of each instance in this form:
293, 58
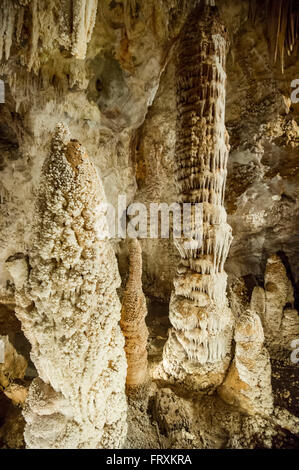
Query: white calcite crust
70, 310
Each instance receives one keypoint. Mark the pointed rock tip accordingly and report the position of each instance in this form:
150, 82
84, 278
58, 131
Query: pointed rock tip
62, 133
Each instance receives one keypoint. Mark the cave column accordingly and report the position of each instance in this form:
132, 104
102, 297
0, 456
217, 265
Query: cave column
198, 349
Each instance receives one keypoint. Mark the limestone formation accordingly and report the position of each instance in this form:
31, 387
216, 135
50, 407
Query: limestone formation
12, 372
174, 416
111, 70
84, 15
282, 18
247, 384
69, 310
132, 322
275, 305
199, 343
74, 28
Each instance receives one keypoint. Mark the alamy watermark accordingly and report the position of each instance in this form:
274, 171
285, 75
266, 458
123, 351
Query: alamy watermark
295, 93
156, 220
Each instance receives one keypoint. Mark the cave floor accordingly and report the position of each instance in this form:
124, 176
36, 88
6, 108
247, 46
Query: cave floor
161, 418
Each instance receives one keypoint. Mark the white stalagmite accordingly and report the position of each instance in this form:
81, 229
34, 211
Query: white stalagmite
198, 350
70, 310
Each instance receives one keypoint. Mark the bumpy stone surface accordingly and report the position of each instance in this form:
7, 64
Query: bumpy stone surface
69, 310
200, 341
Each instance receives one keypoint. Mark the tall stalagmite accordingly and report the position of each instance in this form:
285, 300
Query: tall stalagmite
133, 315
198, 349
70, 310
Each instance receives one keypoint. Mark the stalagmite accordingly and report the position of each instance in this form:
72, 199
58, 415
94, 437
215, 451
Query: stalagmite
69, 310
274, 305
198, 349
132, 323
248, 382
12, 372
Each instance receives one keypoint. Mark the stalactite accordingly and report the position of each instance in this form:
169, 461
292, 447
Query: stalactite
69, 309
34, 31
11, 23
274, 305
198, 348
132, 323
12, 372
84, 15
7, 22
282, 18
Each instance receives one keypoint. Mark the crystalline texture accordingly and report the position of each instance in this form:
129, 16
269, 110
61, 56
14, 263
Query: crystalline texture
70, 310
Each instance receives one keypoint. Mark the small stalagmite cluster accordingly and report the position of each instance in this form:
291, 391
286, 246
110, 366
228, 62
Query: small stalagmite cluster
69, 309
75, 25
275, 305
248, 382
267, 329
132, 322
200, 340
